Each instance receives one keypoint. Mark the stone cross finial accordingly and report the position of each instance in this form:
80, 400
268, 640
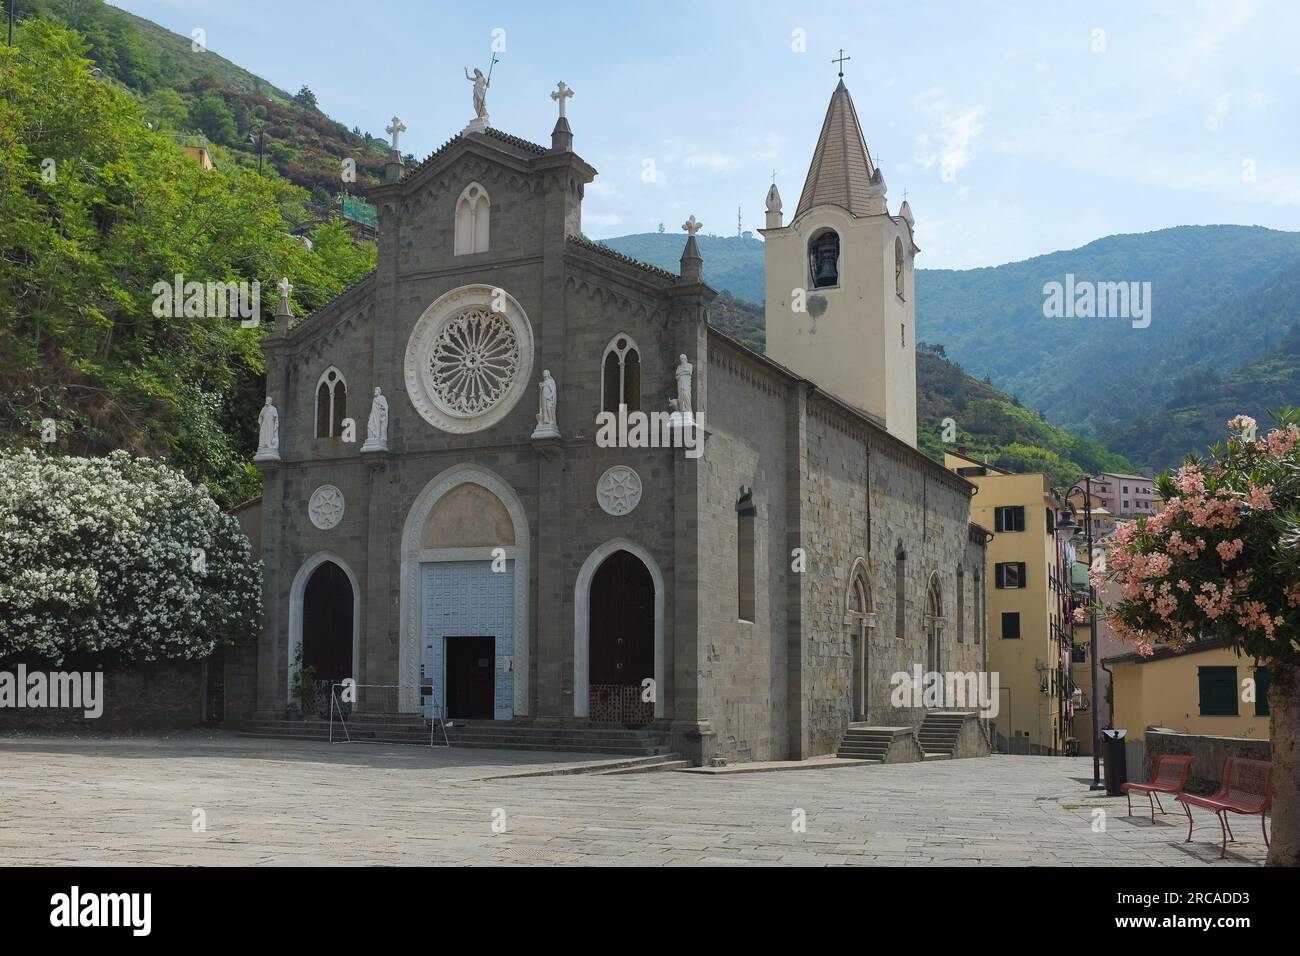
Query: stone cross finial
285, 287
692, 227
397, 128
561, 94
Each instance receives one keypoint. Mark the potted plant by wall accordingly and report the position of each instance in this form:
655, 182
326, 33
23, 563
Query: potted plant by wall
302, 688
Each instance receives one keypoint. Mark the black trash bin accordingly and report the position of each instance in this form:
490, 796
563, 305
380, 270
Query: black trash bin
1116, 763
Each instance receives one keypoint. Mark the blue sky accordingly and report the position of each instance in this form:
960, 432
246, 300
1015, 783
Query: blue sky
1016, 128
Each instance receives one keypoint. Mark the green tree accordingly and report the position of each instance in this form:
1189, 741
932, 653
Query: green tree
306, 99
215, 118
166, 110
97, 210
1221, 560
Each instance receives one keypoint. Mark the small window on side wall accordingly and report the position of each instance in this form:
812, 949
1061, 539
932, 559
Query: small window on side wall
745, 547
899, 279
1218, 691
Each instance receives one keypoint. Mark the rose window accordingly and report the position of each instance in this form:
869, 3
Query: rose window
473, 362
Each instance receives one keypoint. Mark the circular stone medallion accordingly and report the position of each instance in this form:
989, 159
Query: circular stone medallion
325, 508
619, 490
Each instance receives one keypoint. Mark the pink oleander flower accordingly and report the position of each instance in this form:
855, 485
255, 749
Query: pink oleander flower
1189, 480
1258, 497
1228, 550
1245, 424
1080, 615
1280, 441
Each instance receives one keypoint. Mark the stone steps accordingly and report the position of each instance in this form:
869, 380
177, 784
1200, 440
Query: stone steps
865, 744
652, 765
938, 734
481, 734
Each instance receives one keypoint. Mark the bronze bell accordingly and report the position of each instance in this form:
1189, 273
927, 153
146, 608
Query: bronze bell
826, 254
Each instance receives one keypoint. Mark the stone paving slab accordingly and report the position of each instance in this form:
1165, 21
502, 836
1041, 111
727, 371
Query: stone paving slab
96, 801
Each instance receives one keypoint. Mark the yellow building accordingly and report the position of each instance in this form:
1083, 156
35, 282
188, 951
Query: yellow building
1206, 689
1028, 632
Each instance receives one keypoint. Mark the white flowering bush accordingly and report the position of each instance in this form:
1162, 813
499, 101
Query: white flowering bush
117, 559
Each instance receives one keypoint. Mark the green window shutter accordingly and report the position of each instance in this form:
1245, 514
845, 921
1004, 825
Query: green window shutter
1261, 691
1218, 687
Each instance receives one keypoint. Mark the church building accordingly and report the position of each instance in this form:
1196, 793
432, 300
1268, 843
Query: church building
446, 521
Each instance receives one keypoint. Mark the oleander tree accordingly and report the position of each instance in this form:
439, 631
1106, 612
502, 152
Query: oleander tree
1221, 560
117, 559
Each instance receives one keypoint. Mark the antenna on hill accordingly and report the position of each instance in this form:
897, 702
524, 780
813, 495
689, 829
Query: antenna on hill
739, 231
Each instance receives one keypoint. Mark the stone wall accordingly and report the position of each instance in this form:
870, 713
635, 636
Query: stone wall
743, 664
140, 696
827, 482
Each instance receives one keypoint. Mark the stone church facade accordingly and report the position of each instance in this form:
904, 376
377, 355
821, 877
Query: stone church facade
751, 601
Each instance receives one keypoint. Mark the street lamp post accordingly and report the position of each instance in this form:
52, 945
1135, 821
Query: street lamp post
258, 138
1086, 491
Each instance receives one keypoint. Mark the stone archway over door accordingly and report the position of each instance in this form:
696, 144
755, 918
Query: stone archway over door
622, 651
466, 532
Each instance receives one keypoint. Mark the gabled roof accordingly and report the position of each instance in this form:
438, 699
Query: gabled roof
515, 141
604, 250
841, 173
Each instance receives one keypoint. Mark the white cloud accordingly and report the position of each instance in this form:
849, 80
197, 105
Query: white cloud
951, 146
1222, 103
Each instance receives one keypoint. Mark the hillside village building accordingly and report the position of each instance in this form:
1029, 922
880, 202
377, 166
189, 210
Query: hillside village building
1029, 605
441, 520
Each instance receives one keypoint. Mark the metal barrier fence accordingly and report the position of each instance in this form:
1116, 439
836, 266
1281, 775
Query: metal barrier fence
349, 701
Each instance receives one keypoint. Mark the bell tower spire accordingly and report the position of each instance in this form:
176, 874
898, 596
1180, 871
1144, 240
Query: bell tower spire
840, 304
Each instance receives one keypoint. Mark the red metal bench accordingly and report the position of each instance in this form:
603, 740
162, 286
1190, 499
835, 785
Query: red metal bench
1246, 787
1170, 776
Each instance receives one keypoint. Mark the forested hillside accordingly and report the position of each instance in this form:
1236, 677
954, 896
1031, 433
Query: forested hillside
96, 208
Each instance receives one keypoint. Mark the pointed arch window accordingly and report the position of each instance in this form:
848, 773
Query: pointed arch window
331, 403
473, 218
621, 375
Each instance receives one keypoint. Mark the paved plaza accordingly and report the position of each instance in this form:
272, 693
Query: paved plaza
133, 801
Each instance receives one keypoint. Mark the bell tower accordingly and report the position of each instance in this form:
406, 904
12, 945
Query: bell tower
840, 285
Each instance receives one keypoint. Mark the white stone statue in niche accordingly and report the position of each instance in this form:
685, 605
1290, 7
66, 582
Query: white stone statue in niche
268, 433
547, 427
377, 424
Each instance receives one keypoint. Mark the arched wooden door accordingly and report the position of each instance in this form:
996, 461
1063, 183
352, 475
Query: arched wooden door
622, 635
327, 623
